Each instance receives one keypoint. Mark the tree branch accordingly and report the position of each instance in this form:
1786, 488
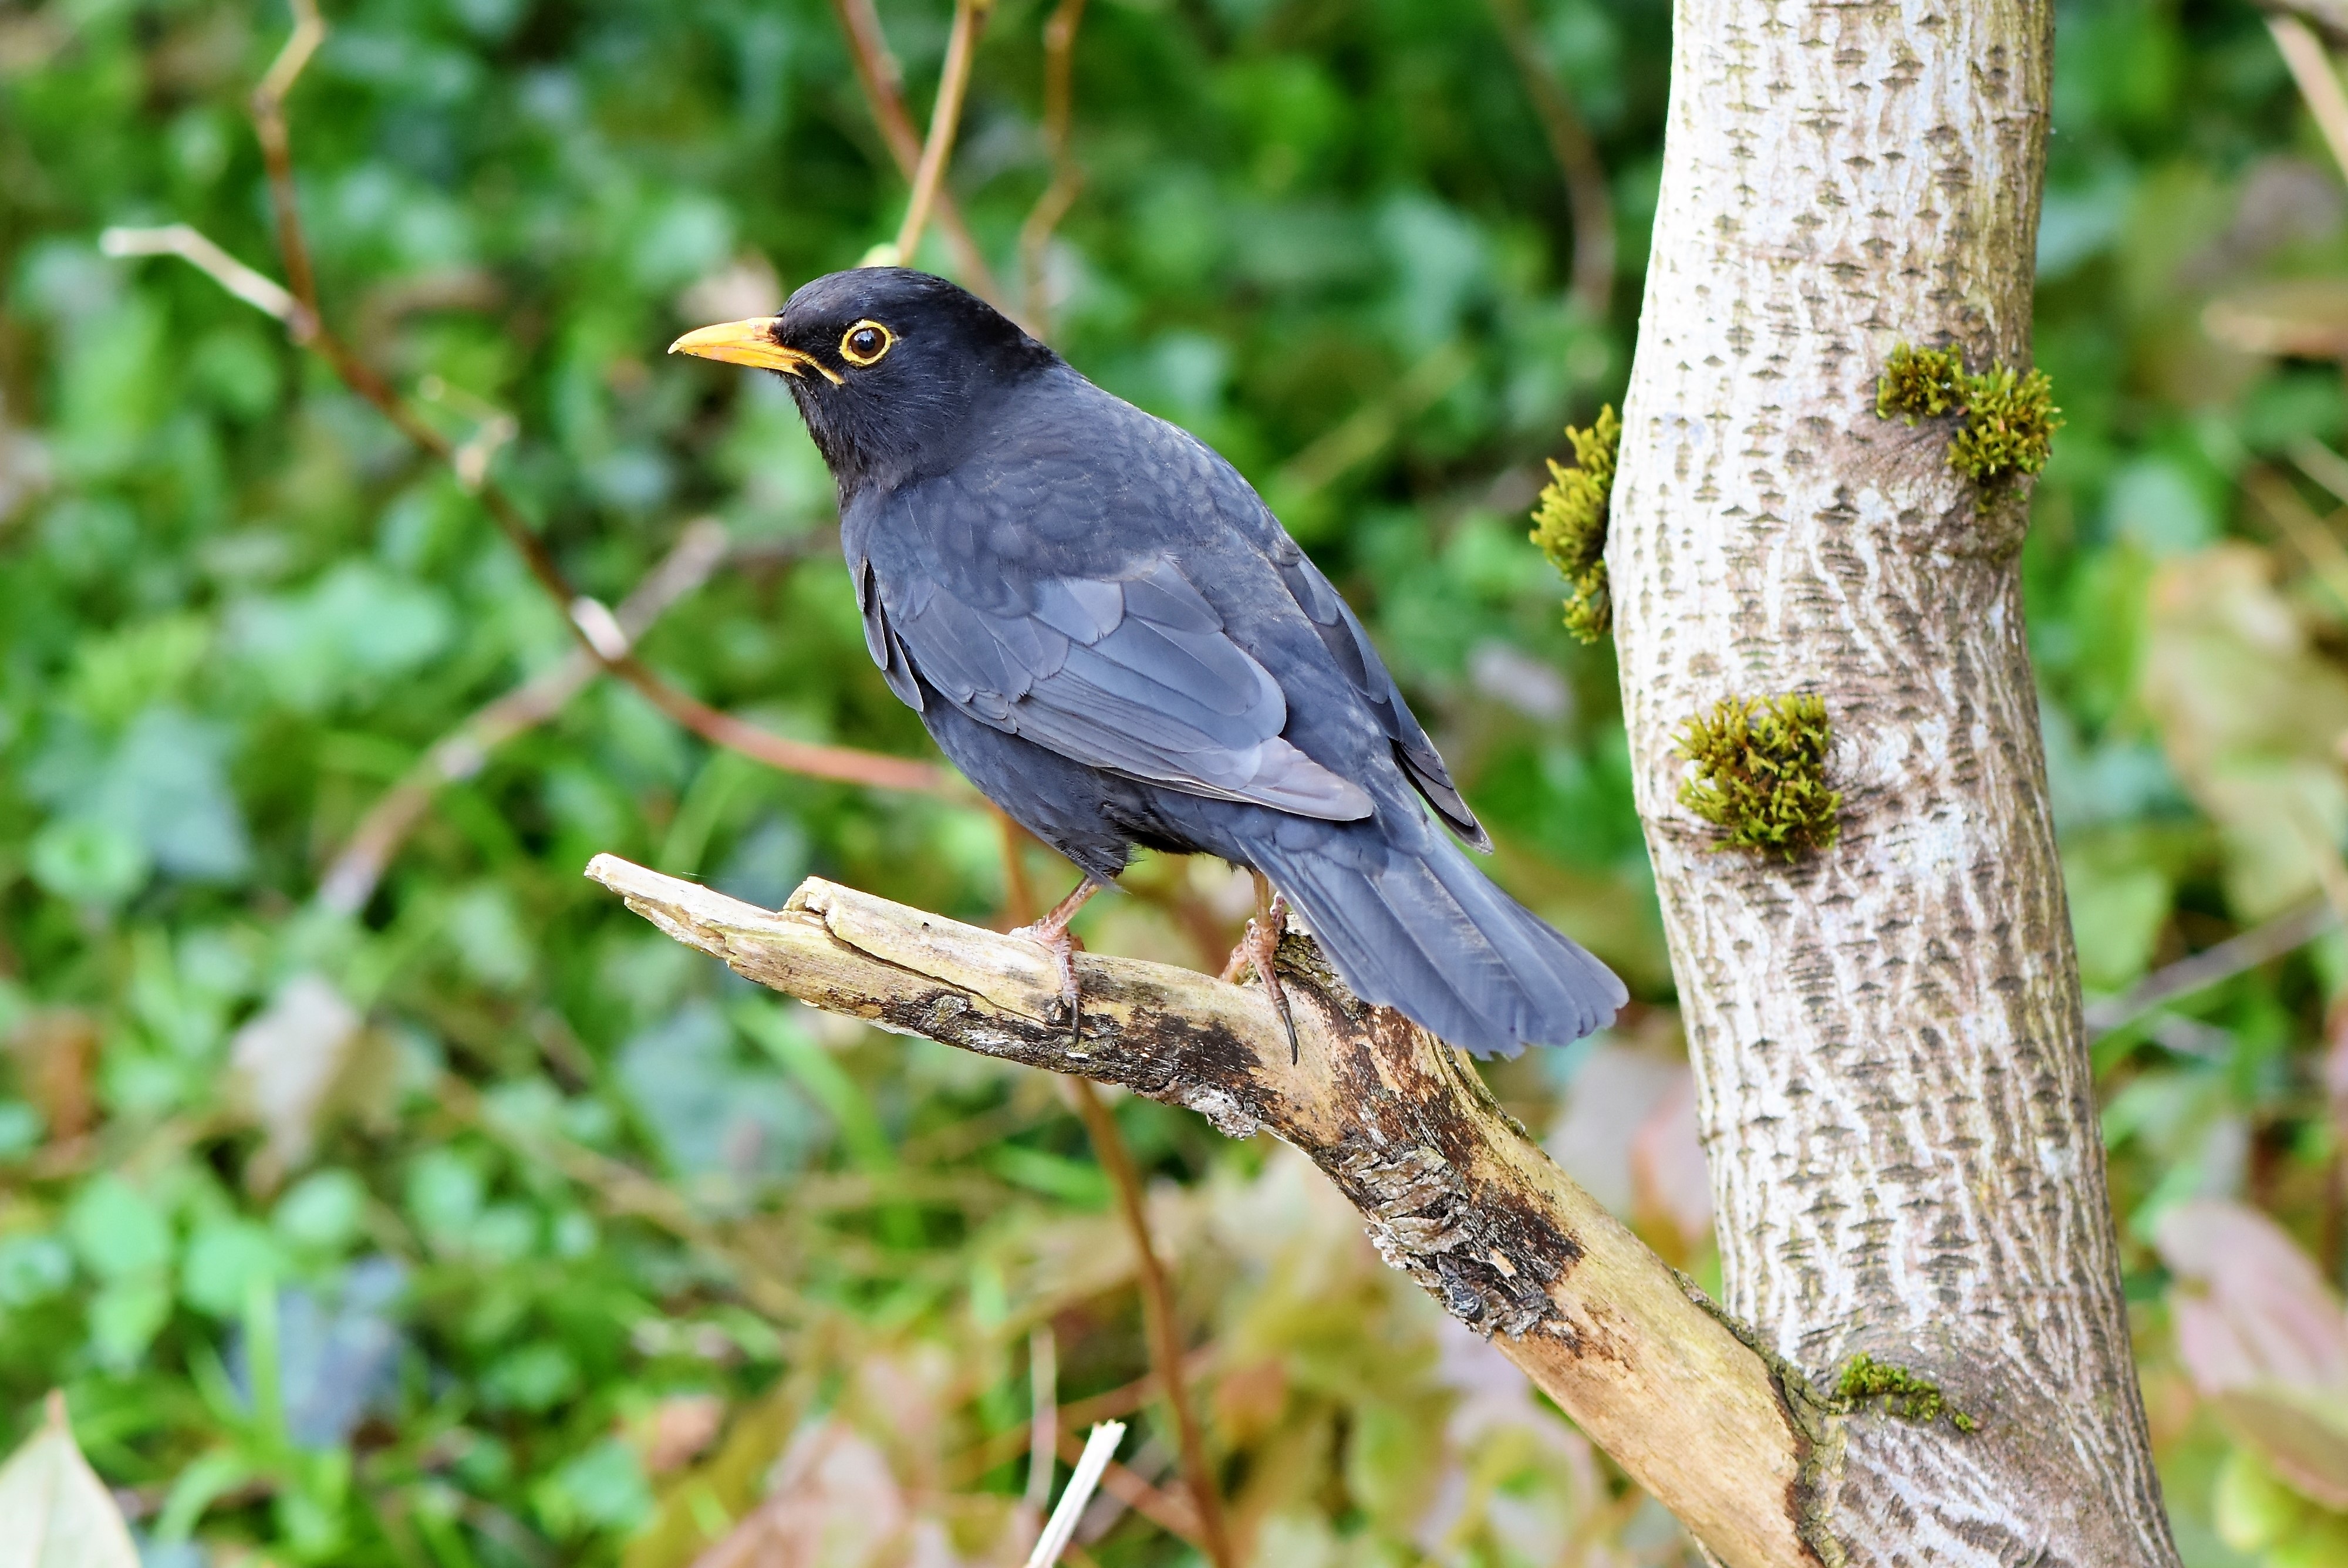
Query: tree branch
945, 121
1067, 176
884, 94
591, 621
1452, 1191
1587, 195
1158, 1314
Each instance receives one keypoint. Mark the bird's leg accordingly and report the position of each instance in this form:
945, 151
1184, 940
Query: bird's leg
1051, 933
1259, 948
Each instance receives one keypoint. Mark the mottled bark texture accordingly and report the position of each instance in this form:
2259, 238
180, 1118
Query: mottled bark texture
1451, 1190
1893, 1080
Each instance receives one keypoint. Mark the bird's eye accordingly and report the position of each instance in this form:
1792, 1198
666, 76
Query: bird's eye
865, 343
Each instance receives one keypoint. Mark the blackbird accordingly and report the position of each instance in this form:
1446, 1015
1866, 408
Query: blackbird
1105, 629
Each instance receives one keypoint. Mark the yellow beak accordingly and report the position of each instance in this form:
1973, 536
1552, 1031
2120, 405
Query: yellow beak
751, 343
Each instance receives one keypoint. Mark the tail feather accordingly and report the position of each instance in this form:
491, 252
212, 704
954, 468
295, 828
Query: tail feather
1423, 931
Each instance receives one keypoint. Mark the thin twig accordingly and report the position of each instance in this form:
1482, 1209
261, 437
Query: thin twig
1588, 197
2286, 932
590, 620
265, 294
2319, 82
1043, 1413
2305, 530
967, 1466
945, 120
351, 881
1090, 1466
277, 156
1157, 1312
1170, 1513
1067, 175
884, 94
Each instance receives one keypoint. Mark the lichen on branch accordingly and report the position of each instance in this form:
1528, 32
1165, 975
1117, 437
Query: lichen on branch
2007, 419
1569, 523
1760, 774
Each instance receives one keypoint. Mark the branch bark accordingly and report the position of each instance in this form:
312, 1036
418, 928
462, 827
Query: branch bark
1893, 1081
1452, 1191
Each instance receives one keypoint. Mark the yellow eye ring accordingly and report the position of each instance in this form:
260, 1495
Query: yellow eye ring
865, 343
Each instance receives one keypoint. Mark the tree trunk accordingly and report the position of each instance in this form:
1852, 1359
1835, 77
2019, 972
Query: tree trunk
1892, 1073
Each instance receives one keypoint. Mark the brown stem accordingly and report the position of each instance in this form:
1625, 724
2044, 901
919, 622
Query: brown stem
589, 621
1067, 177
1157, 1313
945, 120
1587, 195
884, 93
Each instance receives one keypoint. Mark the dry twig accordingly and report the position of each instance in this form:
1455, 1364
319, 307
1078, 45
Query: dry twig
2319, 80
884, 93
351, 881
1587, 195
2286, 932
1067, 175
945, 121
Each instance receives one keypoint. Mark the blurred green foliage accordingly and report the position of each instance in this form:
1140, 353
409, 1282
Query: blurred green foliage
481, 1224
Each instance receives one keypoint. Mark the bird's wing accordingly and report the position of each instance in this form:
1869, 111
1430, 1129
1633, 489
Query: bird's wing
1135, 674
1350, 645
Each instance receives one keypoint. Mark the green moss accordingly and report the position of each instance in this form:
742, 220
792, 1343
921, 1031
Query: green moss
2007, 418
1911, 1397
1920, 384
1569, 523
2010, 424
1760, 774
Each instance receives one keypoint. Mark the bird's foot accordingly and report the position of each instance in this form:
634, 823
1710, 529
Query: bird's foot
1260, 950
1052, 935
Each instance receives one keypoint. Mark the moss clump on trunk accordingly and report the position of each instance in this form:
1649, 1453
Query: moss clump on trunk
1569, 523
1760, 774
2007, 418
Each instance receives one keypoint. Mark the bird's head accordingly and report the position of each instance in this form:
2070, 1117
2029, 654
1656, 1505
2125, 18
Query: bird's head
886, 365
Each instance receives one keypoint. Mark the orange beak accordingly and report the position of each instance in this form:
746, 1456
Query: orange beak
751, 343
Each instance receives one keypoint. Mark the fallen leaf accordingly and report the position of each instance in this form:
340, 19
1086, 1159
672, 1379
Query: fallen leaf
54, 1511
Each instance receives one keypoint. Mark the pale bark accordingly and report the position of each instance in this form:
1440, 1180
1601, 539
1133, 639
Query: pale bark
1893, 1080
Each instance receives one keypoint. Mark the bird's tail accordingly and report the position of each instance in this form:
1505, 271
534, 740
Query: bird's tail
1424, 932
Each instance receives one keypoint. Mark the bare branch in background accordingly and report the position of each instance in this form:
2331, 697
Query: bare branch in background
2319, 80
591, 621
1067, 176
461, 753
277, 156
263, 293
945, 120
884, 93
1158, 1314
1454, 1194
2286, 932
2308, 535
1587, 195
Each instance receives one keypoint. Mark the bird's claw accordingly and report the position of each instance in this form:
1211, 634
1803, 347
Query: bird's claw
1057, 940
1260, 950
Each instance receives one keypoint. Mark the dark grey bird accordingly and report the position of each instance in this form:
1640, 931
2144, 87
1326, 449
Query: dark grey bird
1105, 629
